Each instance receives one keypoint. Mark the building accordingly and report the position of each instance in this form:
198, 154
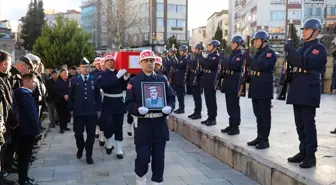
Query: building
217, 19
160, 20
89, 20
7, 40
51, 16
198, 35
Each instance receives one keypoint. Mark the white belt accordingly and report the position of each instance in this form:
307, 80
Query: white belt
152, 115
114, 95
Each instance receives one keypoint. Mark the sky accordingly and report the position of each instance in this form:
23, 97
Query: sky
199, 11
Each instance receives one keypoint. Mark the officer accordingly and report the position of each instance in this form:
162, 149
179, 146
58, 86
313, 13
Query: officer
97, 70
194, 81
84, 106
150, 129
61, 99
158, 66
231, 71
261, 86
308, 62
165, 63
179, 77
210, 69
113, 83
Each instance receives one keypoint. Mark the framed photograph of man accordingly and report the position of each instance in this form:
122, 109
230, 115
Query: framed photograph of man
153, 95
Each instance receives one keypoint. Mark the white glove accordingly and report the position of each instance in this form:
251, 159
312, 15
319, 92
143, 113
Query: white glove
121, 73
143, 110
166, 110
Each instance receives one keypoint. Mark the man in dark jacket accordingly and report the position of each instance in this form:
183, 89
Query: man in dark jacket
51, 98
26, 110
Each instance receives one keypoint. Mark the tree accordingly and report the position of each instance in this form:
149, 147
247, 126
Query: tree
219, 36
172, 40
119, 16
63, 43
295, 37
32, 24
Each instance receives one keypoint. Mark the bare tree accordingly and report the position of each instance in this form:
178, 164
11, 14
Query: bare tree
120, 16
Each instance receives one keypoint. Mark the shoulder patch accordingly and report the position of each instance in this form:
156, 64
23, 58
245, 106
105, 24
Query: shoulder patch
268, 55
214, 58
315, 52
129, 86
237, 59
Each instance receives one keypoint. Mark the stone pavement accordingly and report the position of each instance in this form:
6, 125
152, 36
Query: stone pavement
283, 139
185, 164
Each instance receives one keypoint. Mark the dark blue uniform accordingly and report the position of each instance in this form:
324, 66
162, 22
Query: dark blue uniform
166, 66
179, 67
62, 89
26, 110
193, 80
84, 102
210, 70
96, 73
231, 72
113, 106
151, 130
261, 88
308, 62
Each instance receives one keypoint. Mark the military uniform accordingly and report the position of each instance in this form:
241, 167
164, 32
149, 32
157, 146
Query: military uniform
308, 62
261, 89
209, 76
231, 69
113, 108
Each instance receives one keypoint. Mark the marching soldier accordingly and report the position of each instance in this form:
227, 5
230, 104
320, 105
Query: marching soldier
210, 69
151, 130
113, 83
178, 82
194, 81
308, 62
261, 86
84, 106
231, 71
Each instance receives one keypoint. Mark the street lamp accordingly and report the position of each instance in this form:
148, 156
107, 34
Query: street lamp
94, 37
153, 38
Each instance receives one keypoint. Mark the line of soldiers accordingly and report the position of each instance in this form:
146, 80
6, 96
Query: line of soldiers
205, 70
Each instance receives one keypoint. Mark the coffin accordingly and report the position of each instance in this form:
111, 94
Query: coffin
128, 60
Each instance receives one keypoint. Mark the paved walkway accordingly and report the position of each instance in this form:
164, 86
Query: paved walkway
185, 164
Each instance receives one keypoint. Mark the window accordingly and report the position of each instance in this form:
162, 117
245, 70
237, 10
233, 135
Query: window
159, 7
181, 8
159, 36
180, 36
180, 23
278, 15
159, 21
171, 22
294, 1
331, 11
294, 14
318, 12
171, 8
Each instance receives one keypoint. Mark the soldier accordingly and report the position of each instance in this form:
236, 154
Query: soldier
261, 86
158, 66
308, 62
179, 80
113, 83
210, 69
84, 106
194, 81
96, 72
61, 99
231, 71
151, 130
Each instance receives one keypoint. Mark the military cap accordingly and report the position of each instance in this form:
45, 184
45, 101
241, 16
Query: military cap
84, 62
53, 71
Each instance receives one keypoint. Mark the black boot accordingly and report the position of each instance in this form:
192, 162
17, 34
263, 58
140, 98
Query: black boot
101, 143
89, 160
97, 136
196, 116
205, 121
179, 111
298, 158
233, 131
5, 181
226, 130
253, 142
333, 132
211, 122
309, 161
263, 144
191, 115
79, 153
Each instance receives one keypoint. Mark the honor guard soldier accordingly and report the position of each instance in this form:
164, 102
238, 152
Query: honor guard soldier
150, 129
307, 63
179, 77
84, 106
210, 70
113, 83
261, 86
96, 72
194, 81
231, 73
158, 66
165, 63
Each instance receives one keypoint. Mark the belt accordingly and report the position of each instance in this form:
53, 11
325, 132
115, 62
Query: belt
229, 72
193, 71
152, 115
298, 70
207, 71
114, 95
255, 73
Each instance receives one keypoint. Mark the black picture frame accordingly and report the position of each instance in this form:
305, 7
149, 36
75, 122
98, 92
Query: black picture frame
147, 100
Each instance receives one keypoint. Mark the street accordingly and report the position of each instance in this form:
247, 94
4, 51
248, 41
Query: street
185, 164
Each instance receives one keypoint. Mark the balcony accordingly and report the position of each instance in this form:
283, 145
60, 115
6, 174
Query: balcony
238, 4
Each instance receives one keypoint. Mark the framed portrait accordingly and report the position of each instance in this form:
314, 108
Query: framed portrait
153, 95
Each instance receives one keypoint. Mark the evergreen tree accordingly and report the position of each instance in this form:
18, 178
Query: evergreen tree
32, 24
172, 40
295, 37
63, 43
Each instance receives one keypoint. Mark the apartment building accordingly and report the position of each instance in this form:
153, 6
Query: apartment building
51, 15
198, 35
89, 20
217, 19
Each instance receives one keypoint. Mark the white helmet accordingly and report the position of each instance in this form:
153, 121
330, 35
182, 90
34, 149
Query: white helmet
147, 54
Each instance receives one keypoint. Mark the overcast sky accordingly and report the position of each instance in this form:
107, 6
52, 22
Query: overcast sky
199, 10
